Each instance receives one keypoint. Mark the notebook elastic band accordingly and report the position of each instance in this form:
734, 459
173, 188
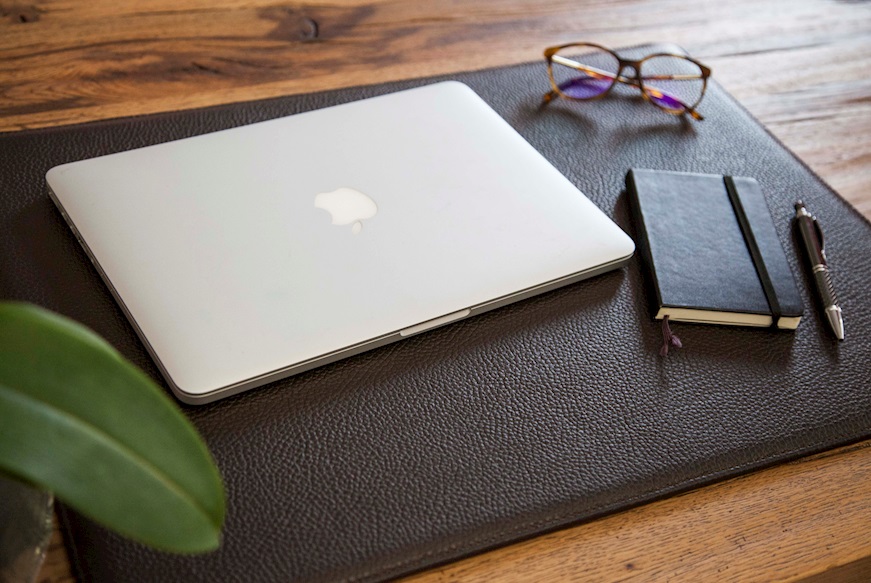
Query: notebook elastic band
753, 247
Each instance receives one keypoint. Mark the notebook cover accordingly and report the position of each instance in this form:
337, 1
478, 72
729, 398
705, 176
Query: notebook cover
694, 247
522, 420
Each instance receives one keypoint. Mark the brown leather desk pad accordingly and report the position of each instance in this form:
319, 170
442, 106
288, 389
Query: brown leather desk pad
542, 414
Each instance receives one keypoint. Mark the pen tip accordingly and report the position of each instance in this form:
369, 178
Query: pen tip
836, 321
799, 205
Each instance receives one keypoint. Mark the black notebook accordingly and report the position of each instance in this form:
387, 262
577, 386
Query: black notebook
712, 251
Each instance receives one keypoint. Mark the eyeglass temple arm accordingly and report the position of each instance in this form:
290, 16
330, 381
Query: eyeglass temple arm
593, 71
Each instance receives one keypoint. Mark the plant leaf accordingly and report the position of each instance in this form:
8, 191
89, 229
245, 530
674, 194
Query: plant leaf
79, 420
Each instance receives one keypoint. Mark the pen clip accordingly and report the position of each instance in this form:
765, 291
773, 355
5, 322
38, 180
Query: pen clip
819, 232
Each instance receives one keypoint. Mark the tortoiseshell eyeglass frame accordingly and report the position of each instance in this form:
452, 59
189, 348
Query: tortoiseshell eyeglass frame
550, 54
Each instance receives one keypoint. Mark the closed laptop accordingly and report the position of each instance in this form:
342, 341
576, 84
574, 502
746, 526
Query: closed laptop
250, 254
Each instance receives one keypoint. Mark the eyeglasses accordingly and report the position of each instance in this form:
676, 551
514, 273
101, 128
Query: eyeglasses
585, 71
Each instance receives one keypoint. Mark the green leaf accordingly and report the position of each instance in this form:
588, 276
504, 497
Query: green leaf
79, 420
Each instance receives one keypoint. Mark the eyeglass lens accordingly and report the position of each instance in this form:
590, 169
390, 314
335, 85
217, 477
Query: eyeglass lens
584, 72
672, 83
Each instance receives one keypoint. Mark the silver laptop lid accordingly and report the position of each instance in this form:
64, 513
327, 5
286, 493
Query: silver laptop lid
257, 252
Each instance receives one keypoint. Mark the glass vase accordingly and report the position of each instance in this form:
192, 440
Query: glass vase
25, 530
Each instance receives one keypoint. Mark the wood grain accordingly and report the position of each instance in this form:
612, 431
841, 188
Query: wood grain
738, 530
800, 66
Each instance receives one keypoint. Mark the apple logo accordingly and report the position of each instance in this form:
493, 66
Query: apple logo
347, 206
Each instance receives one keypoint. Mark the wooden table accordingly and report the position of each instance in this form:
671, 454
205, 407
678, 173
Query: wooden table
800, 66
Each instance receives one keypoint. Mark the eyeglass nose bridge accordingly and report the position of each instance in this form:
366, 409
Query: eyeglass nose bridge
635, 66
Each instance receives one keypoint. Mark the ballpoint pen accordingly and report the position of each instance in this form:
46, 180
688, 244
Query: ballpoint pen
812, 240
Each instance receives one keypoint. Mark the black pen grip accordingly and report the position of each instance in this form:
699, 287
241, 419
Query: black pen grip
824, 285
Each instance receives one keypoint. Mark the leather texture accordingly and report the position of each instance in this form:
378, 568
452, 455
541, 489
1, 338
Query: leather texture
522, 420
